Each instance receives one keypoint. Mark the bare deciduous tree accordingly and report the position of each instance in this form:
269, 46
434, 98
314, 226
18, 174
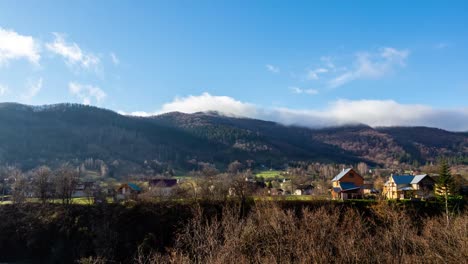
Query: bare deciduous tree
3, 182
20, 186
235, 167
362, 168
42, 183
65, 180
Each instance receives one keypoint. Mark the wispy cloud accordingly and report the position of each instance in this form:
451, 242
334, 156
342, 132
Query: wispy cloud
272, 68
372, 66
16, 46
328, 61
314, 74
87, 93
72, 53
339, 112
298, 90
115, 60
3, 89
33, 88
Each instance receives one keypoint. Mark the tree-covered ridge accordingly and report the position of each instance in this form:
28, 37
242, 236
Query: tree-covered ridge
50, 135
69, 132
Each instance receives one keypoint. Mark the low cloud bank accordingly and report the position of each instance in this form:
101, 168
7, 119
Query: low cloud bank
341, 112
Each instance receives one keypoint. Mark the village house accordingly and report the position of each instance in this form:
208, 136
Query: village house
84, 189
128, 190
162, 187
347, 185
368, 189
409, 186
304, 189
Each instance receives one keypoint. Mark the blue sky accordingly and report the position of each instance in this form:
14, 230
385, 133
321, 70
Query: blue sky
312, 63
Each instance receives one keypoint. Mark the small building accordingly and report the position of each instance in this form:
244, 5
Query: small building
347, 185
368, 189
162, 187
409, 186
84, 189
304, 189
128, 190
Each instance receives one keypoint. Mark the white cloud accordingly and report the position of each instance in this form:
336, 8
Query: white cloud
207, 102
136, 113
3, 89
272, 68
72, 53
16, 46
376, 113
86, 92
314, 74
328, 61
298, 90
340, 112
372, 66
33, 88
114, 58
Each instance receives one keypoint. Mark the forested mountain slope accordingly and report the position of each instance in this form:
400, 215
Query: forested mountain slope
32, 136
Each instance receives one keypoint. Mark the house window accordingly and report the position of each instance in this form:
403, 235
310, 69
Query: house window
351, 175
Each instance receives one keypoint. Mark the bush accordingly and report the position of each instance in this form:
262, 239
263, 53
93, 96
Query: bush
233, 232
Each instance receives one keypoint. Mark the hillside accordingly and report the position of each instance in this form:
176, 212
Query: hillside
394, 145
32, 136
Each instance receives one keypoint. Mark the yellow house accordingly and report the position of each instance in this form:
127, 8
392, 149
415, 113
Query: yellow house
409, 186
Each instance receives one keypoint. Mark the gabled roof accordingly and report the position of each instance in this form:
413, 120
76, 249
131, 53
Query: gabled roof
402, 179
341, 174
163, 182
407, 188
348, 186
418, 178
134, 187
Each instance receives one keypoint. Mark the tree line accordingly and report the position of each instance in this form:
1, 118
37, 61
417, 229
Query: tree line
41, 183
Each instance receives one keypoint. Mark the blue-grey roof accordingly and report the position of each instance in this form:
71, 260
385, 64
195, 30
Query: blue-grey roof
418, 178
341, 174
134, 186
348, 186
402, 179
407, 188
337, 190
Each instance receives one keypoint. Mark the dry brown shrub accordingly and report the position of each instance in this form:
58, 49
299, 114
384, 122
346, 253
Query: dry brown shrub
447, 244
270, 234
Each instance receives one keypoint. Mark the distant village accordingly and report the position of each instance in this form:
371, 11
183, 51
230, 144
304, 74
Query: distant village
348, 184
67, 185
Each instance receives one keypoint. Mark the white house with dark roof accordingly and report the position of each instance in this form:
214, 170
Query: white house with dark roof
409, 186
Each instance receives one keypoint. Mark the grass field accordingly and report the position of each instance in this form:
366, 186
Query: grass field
77, 200
269, 174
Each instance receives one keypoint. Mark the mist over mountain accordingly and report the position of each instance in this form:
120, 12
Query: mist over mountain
341, 112
53, 134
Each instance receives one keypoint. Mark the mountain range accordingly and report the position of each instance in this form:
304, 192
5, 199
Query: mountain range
54, 134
